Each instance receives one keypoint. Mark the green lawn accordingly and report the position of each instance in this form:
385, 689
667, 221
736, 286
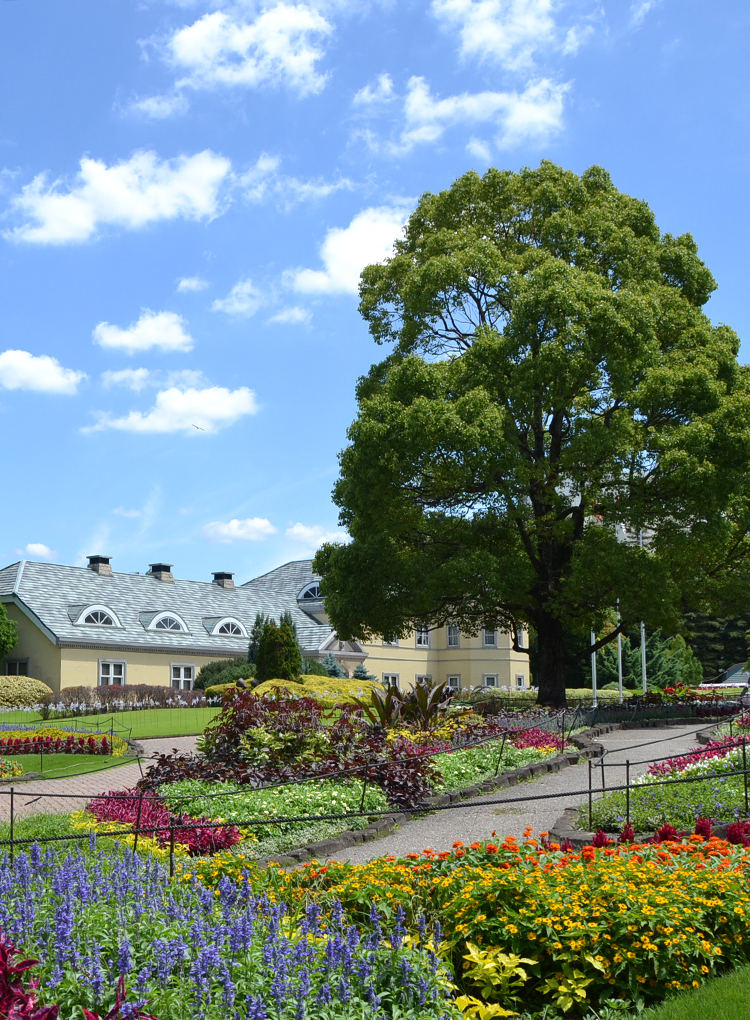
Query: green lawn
724, 998
57, 766
37, 827
140, 724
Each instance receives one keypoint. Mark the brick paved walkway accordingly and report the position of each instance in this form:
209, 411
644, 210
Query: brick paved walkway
32, 797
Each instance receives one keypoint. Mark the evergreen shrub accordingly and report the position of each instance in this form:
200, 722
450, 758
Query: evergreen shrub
22, 692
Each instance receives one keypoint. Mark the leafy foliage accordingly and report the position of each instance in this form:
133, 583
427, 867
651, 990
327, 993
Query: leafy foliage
553, 380
210, 674
278, 653
669, 662
717, 642
22, 692
8, 632
255, 635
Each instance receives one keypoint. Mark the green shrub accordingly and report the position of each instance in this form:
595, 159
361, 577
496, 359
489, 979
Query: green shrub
22, 691
312, 668
219, 690
328, 690
278, 653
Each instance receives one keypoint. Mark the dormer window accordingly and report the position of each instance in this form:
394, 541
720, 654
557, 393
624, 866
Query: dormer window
230, 628
312, 591
100, 617
168, 623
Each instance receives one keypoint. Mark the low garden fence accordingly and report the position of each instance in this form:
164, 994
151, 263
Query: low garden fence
177, 825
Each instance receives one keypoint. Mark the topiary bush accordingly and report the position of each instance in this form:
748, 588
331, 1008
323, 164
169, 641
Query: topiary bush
211, 673
328, 690
22, 692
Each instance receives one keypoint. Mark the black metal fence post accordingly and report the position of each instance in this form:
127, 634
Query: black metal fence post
744, 769
591, 806
171, 848
12, 821
138, 821
627, 792
500, 756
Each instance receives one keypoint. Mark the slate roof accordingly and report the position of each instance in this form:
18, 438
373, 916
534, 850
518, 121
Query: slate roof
56, 595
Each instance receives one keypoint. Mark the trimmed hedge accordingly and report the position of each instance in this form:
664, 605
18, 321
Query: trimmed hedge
22, 691
328, 690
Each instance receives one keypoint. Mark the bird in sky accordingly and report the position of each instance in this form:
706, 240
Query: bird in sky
198, 427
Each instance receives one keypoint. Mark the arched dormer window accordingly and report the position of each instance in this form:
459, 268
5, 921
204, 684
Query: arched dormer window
229, 627
168, 621
98, 616
312, 591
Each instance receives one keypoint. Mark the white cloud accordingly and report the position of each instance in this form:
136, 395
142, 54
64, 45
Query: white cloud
262, 181
281, 46
130, 194
185, 410
160, 107
132, 378
510, 32
292, 316
532, 115
190, 284
378, 92
164, 330
479, 149
39, 550
313, 536
640, 9
252, 529
20, 370
120, 511
242, 299
346, 251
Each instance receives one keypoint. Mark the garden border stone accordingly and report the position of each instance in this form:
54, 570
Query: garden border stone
587, 748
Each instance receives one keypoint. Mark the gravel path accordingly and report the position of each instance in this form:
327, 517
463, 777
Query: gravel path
476, 819
30, 796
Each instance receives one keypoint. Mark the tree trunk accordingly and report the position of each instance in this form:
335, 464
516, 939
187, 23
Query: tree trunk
550, 661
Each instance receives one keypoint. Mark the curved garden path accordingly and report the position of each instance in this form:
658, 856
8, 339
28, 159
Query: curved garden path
476, 819
32, 796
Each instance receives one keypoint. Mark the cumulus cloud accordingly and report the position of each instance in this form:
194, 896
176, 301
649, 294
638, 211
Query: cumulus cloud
165, 330
131, 194
281, 46
189, 410
190, 284
380, 91
346, 251
39, 550
262, 181
252, 529
509, 32
533, 115
311, 537
20, 370
160, 107
138, 379
291, 316
243, 299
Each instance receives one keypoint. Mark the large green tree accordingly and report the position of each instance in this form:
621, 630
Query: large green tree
554, 389
8, 632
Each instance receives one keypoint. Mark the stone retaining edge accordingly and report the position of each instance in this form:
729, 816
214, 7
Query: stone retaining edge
386, 824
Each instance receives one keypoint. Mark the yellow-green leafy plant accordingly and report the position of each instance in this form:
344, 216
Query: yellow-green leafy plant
22, 691
475, 1009
568, 985
497, 973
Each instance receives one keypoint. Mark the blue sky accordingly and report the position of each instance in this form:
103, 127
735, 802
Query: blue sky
189, 190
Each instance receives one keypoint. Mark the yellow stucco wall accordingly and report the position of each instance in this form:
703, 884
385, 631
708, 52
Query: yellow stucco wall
80, 666
43, 655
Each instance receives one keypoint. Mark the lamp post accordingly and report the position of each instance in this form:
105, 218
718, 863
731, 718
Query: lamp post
619, 653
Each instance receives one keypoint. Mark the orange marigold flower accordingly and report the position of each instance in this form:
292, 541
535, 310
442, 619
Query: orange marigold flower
458, 843
490, 848
474, 846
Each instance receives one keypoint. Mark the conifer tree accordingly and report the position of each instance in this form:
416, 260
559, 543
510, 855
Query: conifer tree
278, 655
333, 667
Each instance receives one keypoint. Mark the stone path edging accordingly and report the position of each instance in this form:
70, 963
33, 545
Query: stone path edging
382, 826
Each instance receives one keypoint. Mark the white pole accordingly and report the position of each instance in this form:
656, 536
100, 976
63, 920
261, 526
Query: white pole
593, 670
619, 652
643, 657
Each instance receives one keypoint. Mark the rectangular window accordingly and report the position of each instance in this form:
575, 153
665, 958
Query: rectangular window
454, 635
17, 667
454, 682
519, 637
423, 678
112, 673
182, 676
520, 680
390, 644
489, 680
392, 680
422, 635
489, 639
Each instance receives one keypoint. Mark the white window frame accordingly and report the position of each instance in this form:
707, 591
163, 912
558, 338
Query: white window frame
421, 635
392, 680
226, 619
110, 663
80, 622
422, 676
457, 635
453, 686
304, 595
520, 681
492, 643
176, 616
390, 644
520, 637
486, 677
181, 666
17, 663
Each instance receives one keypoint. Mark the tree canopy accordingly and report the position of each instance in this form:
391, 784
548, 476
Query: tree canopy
554, 390
8, 632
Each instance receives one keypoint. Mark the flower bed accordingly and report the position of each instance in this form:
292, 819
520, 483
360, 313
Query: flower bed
631, 921
184, 954
10, 769
721, 799
50, 740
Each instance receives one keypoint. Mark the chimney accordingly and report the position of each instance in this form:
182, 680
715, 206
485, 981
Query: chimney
100, 565
161, 571
223, 579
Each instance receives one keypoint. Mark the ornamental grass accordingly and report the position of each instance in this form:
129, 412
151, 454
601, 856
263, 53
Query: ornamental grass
630, 922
